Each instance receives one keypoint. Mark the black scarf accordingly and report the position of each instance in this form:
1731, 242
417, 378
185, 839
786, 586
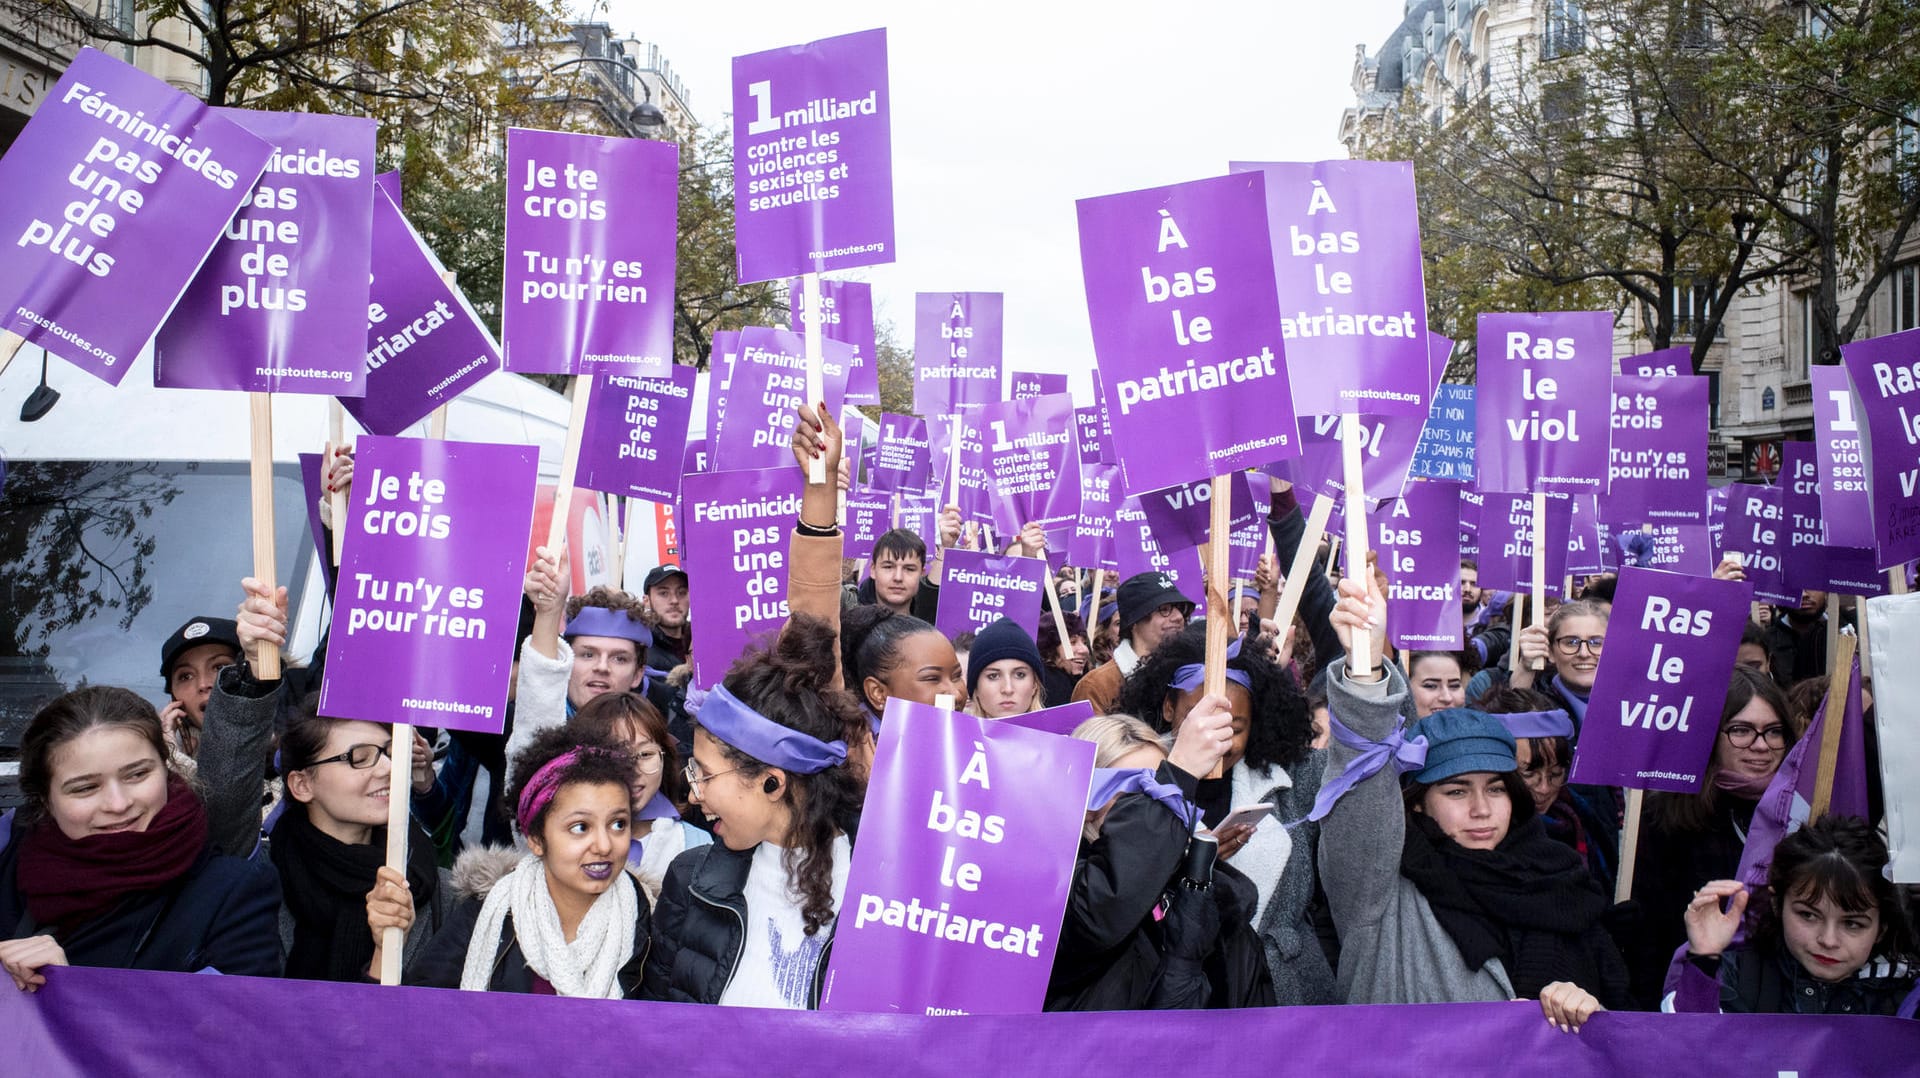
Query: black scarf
1529, 902
324, 883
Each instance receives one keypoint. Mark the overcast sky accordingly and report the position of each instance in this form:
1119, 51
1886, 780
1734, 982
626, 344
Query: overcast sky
1005, 113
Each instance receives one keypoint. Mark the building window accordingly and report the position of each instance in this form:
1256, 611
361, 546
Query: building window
1801, 355
1906, 297
1906, 152
1691, 299
1566, 30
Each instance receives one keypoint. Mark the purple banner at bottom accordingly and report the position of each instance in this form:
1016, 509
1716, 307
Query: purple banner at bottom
103, 1021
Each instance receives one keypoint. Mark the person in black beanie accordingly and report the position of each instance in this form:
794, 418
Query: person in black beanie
1004, 673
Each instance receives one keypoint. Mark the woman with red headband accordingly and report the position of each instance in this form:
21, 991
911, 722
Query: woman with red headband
567, 920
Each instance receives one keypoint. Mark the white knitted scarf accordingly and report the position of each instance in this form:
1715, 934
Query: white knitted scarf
589, 966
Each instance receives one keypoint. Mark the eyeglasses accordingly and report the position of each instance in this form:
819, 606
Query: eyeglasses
695, 780
650, 761
1570, 645
359, 757
1742, 736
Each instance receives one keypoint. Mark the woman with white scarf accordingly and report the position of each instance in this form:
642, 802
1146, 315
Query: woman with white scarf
566, 920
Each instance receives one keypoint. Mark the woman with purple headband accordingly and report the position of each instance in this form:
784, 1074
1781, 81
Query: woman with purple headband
748, 920
567, 920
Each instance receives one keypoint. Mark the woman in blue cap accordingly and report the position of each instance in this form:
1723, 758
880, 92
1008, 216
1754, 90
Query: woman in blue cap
1447, 888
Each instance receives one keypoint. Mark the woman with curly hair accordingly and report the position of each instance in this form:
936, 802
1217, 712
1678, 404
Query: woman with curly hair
566, 919
748, 920
1270, 760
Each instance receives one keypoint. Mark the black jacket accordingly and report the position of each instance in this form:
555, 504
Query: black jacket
1114, 955
700, 926
223, 914
1670, 867
445, 956
1768, 981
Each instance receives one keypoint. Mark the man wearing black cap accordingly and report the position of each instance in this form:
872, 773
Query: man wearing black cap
190, 663
665, 592
1151, 609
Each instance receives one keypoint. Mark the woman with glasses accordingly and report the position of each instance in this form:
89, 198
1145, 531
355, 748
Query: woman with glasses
1689, 840
1585, 818
1570, 645
562, 919
659, 786
748, 920
109, 862
329, 846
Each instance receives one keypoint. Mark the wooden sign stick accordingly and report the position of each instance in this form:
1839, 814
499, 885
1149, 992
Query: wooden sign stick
337, 500
1360, 654
816, 379
1513, 641
1838, 685
581, 387
1092, 615
1297, 573
266, 661
1540, 567
10, 343
618, 570
1219, 612
1629, 845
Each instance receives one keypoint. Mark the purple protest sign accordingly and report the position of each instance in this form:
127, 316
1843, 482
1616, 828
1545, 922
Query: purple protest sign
1186, 330
1885, 372
1388, 444
635, 440
1032, 473
1717, 517
967, 441
1804, 564
424, 344
957, 345
1757, 531
1543, 402
278, 305
1025, 384
1655, 708
905, 460
848, 307
978, 589
1506, 541
590, 256
1248, 536
1086, 436
1853, 571
1844, 502
724, 349
117, 189
1586, 548
1136, 551
429, 595
1658, 458
1419, 543
957, 888
1472, 506
1180, 516
1446, 442
389, 184
812, 157
1676, 548
734, 528
1060, 721
920, 514
695, 459
1346, 246
1091, 545
1663, 363
313, 481
868, 517
767, 382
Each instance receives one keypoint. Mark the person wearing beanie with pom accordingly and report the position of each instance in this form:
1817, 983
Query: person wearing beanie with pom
1005, 675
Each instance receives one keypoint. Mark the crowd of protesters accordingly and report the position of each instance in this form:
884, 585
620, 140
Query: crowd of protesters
629, 836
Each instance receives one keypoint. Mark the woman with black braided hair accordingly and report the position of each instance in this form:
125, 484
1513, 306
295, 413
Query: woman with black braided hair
1271, 760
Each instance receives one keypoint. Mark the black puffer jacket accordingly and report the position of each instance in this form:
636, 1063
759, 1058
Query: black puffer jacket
700, 925
1115, 955
1768, 981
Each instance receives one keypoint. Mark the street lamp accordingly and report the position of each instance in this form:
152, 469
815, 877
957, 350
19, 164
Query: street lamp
645, 116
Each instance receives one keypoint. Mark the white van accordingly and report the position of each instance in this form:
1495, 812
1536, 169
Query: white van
125, 511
